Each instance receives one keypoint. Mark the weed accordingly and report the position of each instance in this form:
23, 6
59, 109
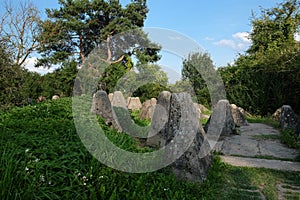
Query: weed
265, 120
289, 138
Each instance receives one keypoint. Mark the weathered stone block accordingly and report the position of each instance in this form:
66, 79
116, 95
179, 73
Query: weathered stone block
221, 122
156, 136
238, 117
184, 125
102, 107
134, 103
148, 108
288, 119
118, 100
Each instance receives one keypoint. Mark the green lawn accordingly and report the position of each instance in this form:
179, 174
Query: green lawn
42, 157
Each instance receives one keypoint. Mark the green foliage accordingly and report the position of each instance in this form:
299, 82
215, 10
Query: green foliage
205, 81
193, 68
141, 122
42, 157
77, 27
146, 82
203, 121
182, 86
289, 138
265, 120
128, 125
60, 82
11, 77
149, 90
267, 76
275, 28
113, 73
17, 85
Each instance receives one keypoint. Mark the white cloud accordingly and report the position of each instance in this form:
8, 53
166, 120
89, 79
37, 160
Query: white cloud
240, 41
243, 36
226, 42
30, 62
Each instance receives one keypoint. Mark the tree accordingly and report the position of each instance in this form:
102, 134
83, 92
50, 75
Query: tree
101, 36
275, 28
60, 82
146, 82
198, 69
12, 81
267, 75
183, 86
18, 30
77, 27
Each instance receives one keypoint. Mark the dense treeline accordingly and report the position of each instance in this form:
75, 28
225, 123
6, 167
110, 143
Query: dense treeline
262, 79
268, 75
66, 38
263, 88
18, 86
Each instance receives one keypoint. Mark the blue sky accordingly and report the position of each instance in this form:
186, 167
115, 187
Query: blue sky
219, 27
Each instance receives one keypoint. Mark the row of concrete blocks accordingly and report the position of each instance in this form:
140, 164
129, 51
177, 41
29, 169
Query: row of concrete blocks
175, 120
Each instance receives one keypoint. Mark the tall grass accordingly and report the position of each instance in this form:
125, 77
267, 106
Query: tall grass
42, 157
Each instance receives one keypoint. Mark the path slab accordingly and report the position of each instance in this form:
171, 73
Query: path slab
251, 143
275, 149
237, 145
261, 163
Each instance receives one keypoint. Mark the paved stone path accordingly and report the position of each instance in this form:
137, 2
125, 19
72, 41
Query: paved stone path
265, 163
257, 141
260, 140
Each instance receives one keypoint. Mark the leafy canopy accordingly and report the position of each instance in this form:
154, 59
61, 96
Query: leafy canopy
268, 74
78, 26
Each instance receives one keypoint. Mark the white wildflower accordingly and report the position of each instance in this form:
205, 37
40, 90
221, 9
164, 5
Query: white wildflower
42, 178
84, 178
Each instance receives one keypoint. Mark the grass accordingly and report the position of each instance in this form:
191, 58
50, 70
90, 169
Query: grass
42, 157
141, 122
228, 182
264, 120
203, 121
288, 137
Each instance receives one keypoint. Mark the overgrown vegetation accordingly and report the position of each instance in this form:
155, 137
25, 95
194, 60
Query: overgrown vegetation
42, 157
260, 80
289, 138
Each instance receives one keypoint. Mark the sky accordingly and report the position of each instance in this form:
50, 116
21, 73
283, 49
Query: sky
219, 27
